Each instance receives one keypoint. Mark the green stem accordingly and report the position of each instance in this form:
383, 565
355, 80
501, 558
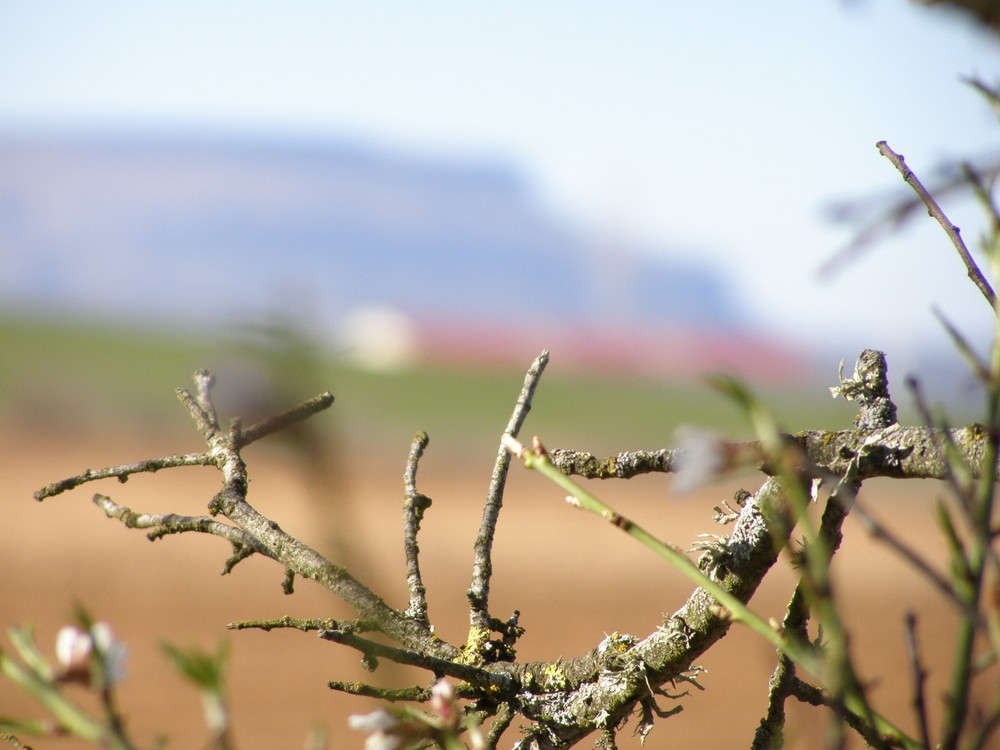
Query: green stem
968, 577
793, 647
69, 716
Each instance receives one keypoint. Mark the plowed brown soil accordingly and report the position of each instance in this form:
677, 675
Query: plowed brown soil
572, 577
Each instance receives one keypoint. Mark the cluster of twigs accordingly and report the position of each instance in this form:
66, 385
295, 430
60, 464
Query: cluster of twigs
567, 699
562, 701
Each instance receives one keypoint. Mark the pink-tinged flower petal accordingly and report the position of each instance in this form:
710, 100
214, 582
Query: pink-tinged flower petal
386, 732
443, 702
376, 721
73, 648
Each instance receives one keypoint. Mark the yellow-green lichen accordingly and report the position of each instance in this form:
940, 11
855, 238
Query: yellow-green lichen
472, 652
554, 678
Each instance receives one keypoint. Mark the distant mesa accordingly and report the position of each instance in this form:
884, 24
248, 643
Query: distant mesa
395, 257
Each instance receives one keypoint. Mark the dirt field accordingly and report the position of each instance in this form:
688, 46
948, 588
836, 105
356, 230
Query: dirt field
573, 579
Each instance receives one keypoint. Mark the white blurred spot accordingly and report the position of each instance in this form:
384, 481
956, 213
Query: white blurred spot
379, 338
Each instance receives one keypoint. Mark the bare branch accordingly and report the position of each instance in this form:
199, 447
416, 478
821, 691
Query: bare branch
624, 465
953, 232
918, 676
163, 525
123, 472
416, 694
305, 625
414, 505
482, 566
204, 381
200, 406
285, 419
898, 452
450, 667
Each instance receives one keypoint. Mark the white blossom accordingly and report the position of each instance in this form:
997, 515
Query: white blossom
704, 459
75, 649
443, 702
383, 729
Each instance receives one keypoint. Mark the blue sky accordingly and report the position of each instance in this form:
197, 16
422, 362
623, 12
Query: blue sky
722, 129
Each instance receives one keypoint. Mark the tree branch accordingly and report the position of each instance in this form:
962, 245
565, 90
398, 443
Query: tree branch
953, 232
898, 452
123, 472
414, 505
482, 566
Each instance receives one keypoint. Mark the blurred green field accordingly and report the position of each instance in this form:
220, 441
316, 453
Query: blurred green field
79, 376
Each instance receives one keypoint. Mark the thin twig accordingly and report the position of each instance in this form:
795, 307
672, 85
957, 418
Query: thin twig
304, 625
393, 695
811, 695
770, 731
244, 544
918, 676
374, 649
979, 368
200, 406
287, 418
877, 530
482, 566
938, 215
123, 472
204, 381
958, 472
982, 190
414, 505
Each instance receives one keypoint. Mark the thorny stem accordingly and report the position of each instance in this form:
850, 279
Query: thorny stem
935, 211
482, 566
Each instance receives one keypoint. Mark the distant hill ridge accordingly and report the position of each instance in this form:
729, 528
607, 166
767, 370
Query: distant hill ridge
186, 228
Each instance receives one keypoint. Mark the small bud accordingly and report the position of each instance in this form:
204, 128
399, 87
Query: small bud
537, 447
73, 649
512, 444
76, 649
443, 703
385, 731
